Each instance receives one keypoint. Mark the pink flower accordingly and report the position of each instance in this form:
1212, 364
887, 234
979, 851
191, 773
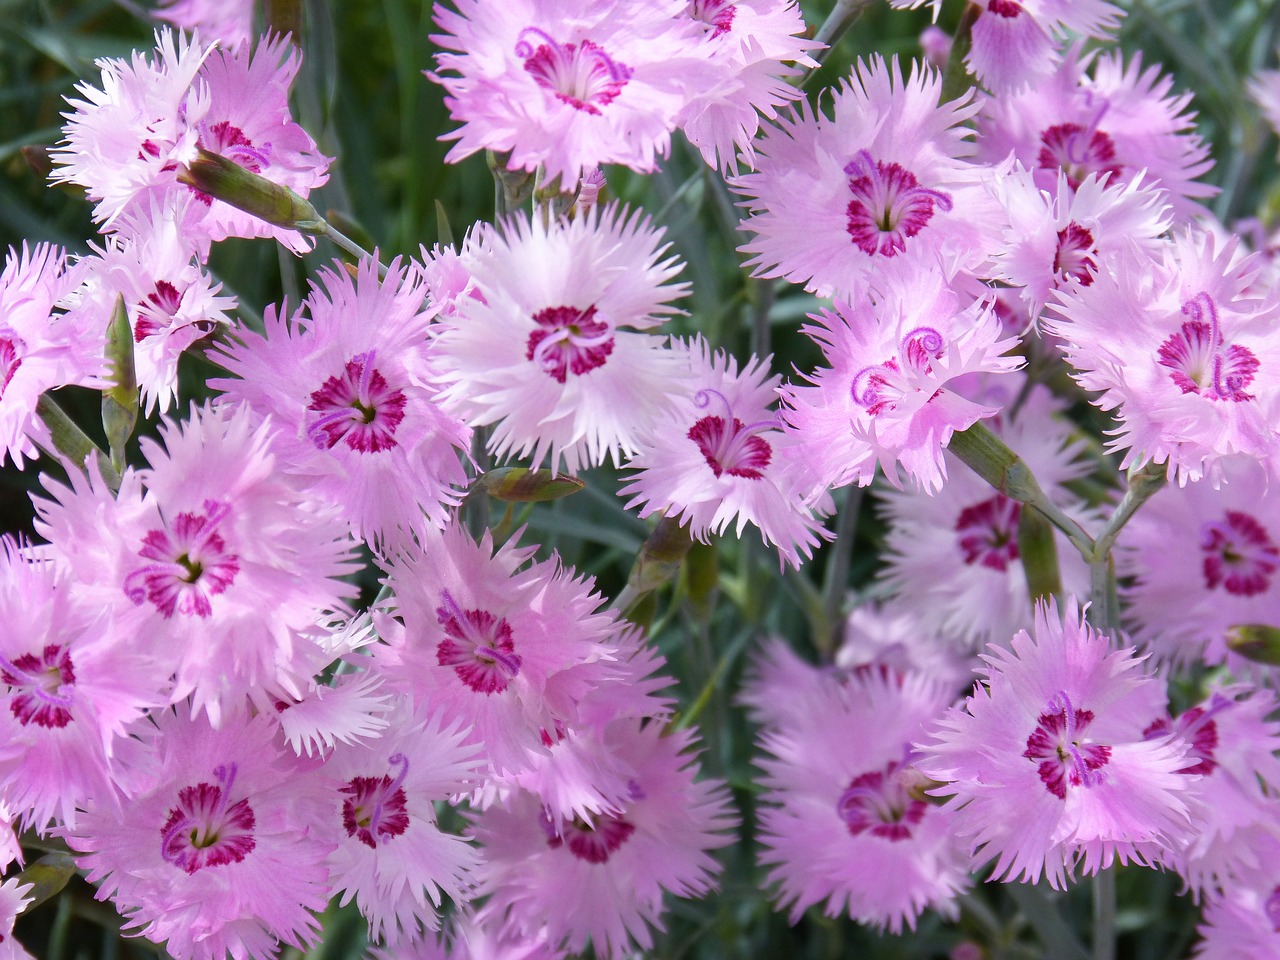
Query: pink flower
1058, 238
834, 198
846, 822
883, 398
1200, 560
549, 349
1121, 120
348, 381
1232, 754
69, 694
1184, 353
216, 850
508, 648
391, 856
749, 42
567, 85
220, 570
1047, 766
1241, 922
718, 456
602, 882
126, 142
1015, 42
227, 22
170, 300
14, 898
40, 347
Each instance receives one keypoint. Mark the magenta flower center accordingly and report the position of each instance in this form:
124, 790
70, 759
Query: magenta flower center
11, 348
358, 407
374, 809
1078, 151
717, 14
880, 803
880, 387
40, 686
569, 340
889, 205
1200, 359
227, 139
1061, 754
478, 646
205, 829
593, 842
988, 532
1239, 555
582, 74
191, 564
1199, 728
1072, 259
729, 445
1004, 8
1271, 907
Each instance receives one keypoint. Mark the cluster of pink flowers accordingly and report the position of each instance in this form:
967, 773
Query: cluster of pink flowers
194, 699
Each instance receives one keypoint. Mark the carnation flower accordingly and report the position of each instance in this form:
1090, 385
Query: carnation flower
884, 636
220, 570
1232, 754
1240, 923
126, 142
1015, 42
40, 347
883, 398
749, 42
466, 939
567, 85
1183, 352
347, 379
508, 648
169, 299
602, 881
1121, 120
68, 694
217, 850
846, 822
551, 351
834, 198
391, 856
719, 456
1047, 766
1198, 560
1058, 238
228, 22
14, 898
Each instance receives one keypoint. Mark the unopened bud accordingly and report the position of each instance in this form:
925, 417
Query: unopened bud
522, 485
1255, 641
224, 180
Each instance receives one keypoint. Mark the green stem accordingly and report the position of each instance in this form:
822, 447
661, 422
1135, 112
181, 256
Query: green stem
988, 456
1104, 914
343, 242
837, 579
1056, 935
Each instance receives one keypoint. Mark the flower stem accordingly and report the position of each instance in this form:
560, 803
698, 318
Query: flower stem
1104, 914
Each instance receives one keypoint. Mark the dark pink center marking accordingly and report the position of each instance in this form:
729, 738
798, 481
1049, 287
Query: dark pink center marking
569, 340
374, 809
11, 349
478, 646
727, 444
889, 205
717, 14
988, 532
192, 564
582, 74
1073, 256
358, 407
1078, 151
595, 842
879, 387
1061, 758
1239, 555
879, 802
40, 686
1201, 361
205, 829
